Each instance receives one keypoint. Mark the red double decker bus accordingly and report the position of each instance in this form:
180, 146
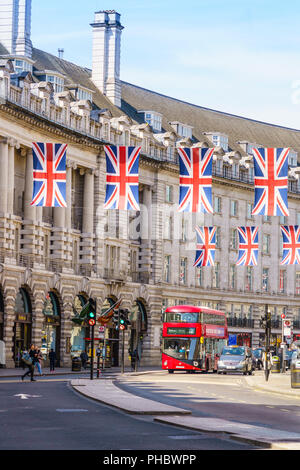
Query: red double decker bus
193, 338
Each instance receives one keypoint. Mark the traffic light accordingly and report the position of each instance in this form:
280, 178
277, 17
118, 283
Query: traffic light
88, 313
123, 319
265, 321
91, 314
115, 319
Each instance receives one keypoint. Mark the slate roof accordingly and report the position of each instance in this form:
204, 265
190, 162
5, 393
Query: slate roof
135, 98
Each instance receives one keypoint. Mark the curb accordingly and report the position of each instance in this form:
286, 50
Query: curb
247, 440
174, 412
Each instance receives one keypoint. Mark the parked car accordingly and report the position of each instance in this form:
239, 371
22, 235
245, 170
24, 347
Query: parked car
236, 359
258, 357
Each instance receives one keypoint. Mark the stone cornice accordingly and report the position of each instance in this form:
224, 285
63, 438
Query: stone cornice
28, 117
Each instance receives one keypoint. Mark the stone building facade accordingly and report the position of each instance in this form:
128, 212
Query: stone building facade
53, 259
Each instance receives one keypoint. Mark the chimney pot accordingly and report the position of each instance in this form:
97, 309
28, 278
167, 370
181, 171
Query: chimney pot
107, 30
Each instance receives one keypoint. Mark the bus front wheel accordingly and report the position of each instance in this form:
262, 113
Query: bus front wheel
170, 371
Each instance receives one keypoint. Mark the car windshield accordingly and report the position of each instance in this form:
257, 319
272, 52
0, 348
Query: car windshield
257, 352
233, 351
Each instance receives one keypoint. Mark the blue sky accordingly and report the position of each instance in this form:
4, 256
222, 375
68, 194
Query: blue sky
238, 56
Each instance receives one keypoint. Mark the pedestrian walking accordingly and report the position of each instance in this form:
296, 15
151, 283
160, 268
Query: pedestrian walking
33, 352
52, 359
23, 353
27, 360
84, 358
134, 359
39, 362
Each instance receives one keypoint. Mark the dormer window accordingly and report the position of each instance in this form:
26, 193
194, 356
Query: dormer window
293, 158
21, 65
218, 140
153, 118
56, 79
250, 148
57, 82
182, 129
83, 95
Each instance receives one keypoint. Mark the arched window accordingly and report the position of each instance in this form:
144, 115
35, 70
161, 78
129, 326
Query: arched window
22, 304
108, 302
51, 305
79, 301
139, 315
1, 302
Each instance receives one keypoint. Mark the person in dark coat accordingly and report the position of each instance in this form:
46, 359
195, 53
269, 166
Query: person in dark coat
134, 359
28, 360
52, 359
84, 358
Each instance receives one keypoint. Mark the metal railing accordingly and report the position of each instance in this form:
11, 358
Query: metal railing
240, 322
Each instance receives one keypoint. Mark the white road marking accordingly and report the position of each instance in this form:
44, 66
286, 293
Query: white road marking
24, 396
75, 410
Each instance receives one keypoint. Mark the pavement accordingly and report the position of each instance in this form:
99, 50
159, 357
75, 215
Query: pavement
106, 390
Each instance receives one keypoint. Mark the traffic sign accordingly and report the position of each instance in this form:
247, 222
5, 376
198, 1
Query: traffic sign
283, 315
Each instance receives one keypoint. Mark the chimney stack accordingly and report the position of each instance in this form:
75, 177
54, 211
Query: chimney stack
15, 27
61, 53
107, 30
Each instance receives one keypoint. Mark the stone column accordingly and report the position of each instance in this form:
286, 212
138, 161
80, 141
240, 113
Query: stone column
9, 321
29, 211
87, 237
68, 219
88, 203
146, 268
68, 214
59, 217
3, 174
28, 230
11, 177
100, 213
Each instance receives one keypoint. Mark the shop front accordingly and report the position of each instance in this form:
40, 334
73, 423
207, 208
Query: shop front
51, 328
22, 326
109, 341
78, 343
240, 339
275, 340
138, 318
1, 317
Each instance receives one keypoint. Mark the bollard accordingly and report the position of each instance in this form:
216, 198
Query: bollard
275, 368
76, 364
295, 374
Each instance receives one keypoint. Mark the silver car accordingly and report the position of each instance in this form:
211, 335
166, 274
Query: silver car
236, 359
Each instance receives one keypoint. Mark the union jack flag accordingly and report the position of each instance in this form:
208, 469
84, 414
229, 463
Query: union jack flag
49, 175
195, 180
248, 246
291, 244
271, 181
206, 246
122, 177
